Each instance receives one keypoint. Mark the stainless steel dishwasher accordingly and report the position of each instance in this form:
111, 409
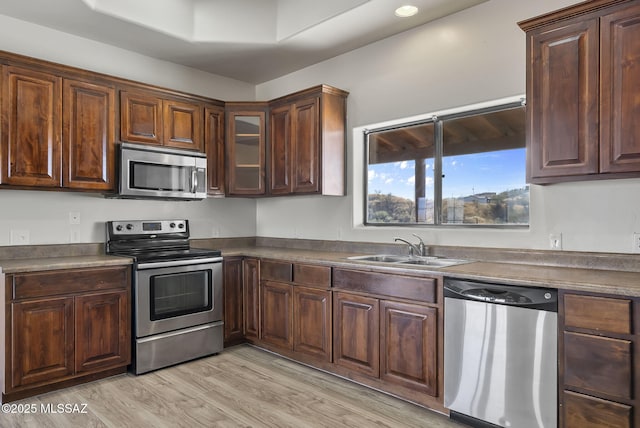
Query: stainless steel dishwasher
500, 354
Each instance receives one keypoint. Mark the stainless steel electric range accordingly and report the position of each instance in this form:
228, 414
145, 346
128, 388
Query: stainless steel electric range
177, 292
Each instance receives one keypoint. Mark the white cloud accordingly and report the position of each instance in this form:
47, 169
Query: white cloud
388, 180
411, 180
372, 174
428, 181
403, 165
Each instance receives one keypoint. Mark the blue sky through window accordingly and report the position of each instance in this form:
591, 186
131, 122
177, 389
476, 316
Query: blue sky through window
471, 174
464, 175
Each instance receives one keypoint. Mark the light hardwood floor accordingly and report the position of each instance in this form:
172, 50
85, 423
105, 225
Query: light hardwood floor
241, 387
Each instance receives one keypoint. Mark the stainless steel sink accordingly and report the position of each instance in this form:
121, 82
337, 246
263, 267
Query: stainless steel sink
385, 258
435, 262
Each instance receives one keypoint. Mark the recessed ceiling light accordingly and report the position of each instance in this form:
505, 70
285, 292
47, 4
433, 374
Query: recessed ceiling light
406, 11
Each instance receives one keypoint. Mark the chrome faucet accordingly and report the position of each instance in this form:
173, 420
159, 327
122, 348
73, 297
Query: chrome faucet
420, 249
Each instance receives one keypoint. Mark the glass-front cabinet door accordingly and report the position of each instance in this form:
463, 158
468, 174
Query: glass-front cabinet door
246, 148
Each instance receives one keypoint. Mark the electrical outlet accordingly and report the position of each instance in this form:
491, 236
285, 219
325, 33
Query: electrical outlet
74, 217
555, 241
636, 243
19, 237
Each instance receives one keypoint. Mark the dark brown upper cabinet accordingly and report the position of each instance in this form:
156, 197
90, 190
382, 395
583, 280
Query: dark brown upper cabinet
214, 143
582, 92
59, 128
295, 147
620, 90
183, 125
140, 118
88, 112
246, 148
307, 141
300, 149
280, 146
31, 128
59, 132
147, 118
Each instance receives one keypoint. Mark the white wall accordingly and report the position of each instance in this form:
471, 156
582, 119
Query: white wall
45, 215
473, 56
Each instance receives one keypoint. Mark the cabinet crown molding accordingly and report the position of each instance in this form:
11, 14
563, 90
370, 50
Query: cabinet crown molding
567, 13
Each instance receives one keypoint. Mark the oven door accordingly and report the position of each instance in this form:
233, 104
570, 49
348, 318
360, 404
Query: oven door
173, 295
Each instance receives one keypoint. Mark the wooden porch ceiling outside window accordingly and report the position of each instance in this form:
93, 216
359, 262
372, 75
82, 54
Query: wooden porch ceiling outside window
488, 132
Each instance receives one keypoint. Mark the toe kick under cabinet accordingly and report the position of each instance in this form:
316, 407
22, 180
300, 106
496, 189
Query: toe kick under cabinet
64, 327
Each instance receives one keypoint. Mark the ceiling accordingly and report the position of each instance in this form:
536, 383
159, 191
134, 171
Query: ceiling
248, 40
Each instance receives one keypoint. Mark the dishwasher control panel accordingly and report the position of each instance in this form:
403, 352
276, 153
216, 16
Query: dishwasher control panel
531, 297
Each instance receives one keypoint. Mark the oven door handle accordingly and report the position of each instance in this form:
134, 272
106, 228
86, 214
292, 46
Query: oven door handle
173, 263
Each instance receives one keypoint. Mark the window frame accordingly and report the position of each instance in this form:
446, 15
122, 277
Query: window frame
438, 120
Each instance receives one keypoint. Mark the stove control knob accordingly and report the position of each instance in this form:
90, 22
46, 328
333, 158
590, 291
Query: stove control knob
172, 225
181, 225
129, 226
119, 227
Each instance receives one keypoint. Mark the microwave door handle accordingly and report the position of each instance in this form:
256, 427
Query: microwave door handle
194, 180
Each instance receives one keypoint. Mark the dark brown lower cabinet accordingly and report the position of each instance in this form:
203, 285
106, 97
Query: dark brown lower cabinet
388, 333
312, 322
296, 309
251, 298
586, 411
599, 365
394, 341
101, 338
65, 327
408, 356
356, 333
233, 301
381, 330
43, 341
276, 314
602, 365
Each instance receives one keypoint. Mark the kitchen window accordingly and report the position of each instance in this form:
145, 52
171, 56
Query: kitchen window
464, 168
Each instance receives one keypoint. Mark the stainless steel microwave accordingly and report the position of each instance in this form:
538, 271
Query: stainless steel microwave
162, 173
